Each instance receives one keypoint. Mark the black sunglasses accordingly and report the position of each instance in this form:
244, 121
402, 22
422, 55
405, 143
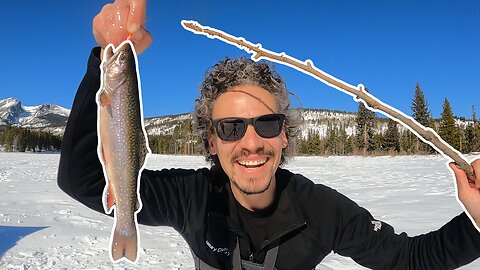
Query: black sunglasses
233, 128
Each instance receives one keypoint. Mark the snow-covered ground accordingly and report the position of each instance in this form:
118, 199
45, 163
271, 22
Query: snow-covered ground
42, 228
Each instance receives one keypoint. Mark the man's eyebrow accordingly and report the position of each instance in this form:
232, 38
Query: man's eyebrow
253, 96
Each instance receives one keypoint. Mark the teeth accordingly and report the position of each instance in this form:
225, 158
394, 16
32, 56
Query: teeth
252, 162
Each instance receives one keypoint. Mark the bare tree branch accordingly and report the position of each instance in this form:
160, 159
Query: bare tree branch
359, 93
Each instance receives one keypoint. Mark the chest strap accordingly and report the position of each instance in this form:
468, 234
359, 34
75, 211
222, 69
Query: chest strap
268, 263
239, 264
201, 265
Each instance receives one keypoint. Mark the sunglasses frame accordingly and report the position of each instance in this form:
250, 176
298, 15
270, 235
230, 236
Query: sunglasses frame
248, 121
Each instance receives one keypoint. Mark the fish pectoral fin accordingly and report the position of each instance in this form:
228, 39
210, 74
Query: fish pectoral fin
104, 155
104, 100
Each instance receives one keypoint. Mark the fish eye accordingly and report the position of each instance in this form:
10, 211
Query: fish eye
122, 57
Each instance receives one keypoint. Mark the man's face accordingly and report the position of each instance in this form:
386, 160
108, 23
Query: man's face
251, 161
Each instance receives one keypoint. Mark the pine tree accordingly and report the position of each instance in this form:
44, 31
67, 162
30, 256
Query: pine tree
407, 141
470, 138
461, 140
422, 115
330, 142
378, 141
472, 134
392, 137
349, 145
420, 107
312, 145
341, 142
448, 129
366, 121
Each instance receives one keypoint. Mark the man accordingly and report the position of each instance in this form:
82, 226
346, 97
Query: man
245, 211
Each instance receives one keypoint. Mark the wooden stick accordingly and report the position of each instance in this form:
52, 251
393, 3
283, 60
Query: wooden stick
359, 94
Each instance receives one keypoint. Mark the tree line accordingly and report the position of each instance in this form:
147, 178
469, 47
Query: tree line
367, 140
182, 141
19, 139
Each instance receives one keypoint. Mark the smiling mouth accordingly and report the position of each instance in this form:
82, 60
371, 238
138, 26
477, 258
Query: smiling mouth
252, 163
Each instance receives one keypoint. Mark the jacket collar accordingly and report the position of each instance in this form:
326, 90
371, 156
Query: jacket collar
286, 217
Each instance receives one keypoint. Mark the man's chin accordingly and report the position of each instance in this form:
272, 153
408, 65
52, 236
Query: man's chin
252, 189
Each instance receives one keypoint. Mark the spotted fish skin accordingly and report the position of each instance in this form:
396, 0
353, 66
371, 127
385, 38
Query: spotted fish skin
123, 146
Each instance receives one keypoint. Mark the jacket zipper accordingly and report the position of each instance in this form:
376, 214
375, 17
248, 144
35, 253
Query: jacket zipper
296, 227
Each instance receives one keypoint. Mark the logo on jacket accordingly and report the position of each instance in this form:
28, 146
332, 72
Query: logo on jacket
377, 225
221, 250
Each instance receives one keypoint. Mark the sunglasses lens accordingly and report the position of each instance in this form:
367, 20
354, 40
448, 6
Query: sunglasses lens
269, 126
231, 129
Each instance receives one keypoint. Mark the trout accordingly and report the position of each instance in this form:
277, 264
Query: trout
122, 145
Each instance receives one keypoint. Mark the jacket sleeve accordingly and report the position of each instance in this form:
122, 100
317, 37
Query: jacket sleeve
374, 244
165, 194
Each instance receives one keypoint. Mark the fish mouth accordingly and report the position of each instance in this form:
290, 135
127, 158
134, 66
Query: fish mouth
123, 53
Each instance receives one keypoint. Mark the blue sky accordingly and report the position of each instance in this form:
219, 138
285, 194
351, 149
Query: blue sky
388, 46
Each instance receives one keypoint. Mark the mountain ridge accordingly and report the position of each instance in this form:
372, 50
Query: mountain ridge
46, 117
53, 118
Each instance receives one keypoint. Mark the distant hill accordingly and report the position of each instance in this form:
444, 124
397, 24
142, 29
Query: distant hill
315, 120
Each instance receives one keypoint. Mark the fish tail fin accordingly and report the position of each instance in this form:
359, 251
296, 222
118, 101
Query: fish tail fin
124, 246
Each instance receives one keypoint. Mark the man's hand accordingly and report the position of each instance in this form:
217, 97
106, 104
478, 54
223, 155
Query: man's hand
469, 193
118, 20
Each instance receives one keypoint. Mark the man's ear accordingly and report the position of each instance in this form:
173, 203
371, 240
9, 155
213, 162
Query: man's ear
212, 146
284, 139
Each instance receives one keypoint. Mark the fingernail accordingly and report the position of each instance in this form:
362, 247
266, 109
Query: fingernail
132, 28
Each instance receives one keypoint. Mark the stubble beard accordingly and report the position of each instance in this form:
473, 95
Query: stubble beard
251, 190
250, 187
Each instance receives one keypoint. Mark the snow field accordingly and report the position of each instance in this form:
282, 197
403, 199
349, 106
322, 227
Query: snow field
43, 228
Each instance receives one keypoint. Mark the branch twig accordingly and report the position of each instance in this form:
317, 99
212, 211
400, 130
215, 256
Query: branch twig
359, 93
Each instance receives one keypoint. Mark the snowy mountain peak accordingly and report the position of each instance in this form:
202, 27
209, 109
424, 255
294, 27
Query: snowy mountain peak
9, 102
45, 116
10, 110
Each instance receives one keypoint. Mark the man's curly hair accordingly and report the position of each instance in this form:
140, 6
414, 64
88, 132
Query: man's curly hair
233, 72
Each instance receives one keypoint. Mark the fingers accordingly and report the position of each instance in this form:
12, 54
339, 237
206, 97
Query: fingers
476, 170
461, 177
98, 29
136, 16
142, 40
118, 20
109, 25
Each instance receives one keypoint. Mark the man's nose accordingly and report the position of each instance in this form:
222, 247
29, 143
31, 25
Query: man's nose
251, 140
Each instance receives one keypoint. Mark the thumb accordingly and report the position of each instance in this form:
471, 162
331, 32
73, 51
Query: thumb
136, 15
142, 40
460, 176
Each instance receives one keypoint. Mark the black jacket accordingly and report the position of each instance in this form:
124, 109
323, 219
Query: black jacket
307, 220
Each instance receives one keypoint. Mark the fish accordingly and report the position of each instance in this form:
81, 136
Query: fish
122, 146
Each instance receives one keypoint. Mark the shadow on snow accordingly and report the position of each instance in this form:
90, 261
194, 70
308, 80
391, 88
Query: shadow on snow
10, 235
